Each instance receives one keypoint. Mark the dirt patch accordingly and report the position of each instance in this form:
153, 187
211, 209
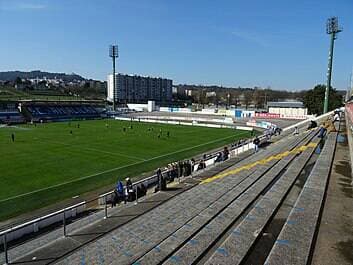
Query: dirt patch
342, 167
346, 249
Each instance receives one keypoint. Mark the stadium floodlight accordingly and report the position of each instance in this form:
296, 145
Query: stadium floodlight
113, 53
332, 28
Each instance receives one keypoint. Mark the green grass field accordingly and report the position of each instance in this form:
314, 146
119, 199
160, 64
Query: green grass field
47, 163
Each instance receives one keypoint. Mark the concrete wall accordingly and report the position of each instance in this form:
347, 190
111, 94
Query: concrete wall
349, 127
189, 121
138, 107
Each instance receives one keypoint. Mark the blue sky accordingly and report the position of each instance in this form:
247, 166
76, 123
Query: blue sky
277, 43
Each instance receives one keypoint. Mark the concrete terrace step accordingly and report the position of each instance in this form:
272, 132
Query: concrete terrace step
163, 250
295, 241
238, 244
199, 244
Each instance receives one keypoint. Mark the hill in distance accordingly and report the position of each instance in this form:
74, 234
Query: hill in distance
12, 75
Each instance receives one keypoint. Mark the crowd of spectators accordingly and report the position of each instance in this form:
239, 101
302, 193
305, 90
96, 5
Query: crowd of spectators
127, 193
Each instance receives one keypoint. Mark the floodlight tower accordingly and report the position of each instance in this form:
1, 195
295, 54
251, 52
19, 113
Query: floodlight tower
332, 29
113, 53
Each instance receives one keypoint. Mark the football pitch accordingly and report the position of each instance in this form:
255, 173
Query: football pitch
55, 161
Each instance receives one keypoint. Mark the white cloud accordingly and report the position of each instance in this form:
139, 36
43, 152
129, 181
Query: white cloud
250, 36
14, 5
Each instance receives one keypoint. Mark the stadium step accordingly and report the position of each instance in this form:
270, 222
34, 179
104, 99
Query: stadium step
191, 252
294, 243
237, 245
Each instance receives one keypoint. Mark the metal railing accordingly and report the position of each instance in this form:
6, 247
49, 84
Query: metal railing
36, 225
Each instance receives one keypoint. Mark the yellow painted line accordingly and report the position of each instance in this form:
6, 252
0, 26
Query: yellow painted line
263, 161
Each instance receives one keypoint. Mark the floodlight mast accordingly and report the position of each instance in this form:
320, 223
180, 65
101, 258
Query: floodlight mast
332, 28
113, 53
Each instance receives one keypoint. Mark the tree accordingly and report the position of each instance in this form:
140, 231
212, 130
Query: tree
259, 98
18, 80
314, 99
247, 98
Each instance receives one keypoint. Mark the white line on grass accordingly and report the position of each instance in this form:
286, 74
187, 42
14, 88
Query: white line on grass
117, 168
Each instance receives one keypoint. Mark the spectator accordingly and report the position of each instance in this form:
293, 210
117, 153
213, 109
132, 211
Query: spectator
322, 132
225, 153
192, 164
138, 192
256, 143
296, 131
174, 172
336, 117
129, 189
160, 179
120, 189
278, 131
115, 197
187, 166
202, 165
312, 125
143, 190
219, 157
181, 168
169, 172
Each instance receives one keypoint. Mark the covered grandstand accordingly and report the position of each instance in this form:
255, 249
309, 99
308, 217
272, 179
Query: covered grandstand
14, 112
9, 113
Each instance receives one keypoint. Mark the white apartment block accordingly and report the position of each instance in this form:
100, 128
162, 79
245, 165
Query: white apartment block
133, 88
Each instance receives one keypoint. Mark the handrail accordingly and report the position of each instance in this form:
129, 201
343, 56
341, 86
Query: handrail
41, 218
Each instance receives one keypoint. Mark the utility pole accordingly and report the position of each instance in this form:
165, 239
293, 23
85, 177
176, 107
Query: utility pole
113, 53
332, 29
228, 97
